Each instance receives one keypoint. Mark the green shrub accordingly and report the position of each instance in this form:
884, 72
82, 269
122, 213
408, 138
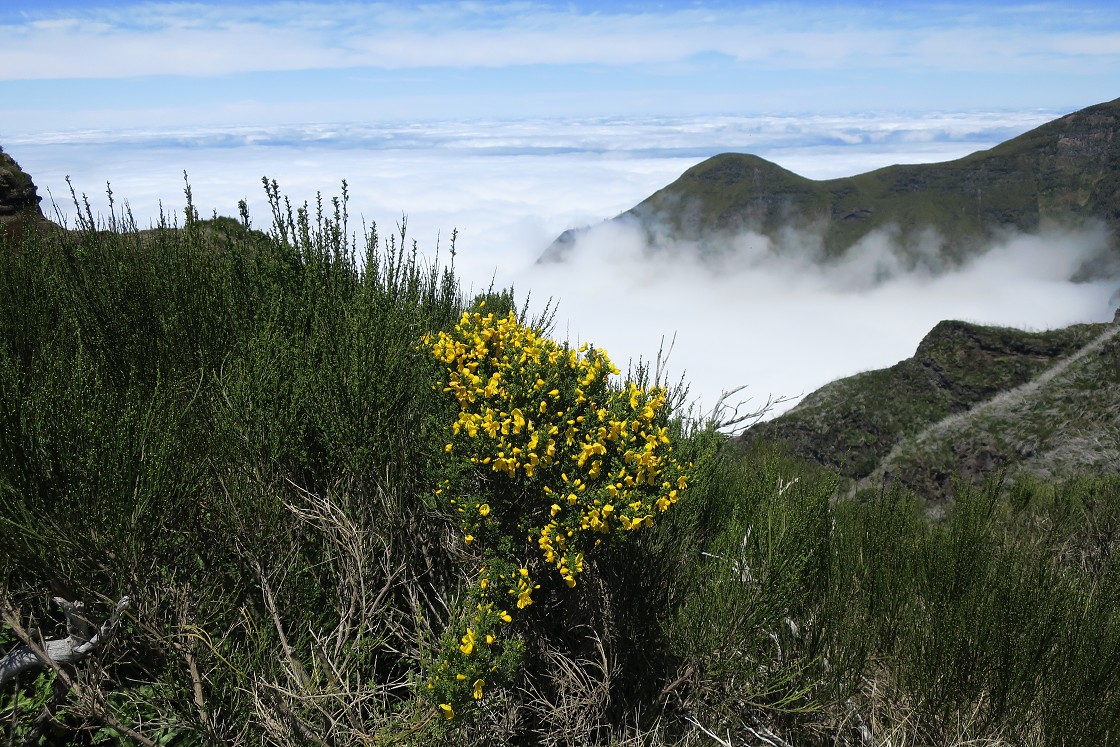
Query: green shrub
553, 461
269, 442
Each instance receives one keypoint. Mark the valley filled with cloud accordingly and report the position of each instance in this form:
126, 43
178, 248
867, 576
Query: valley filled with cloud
779, 322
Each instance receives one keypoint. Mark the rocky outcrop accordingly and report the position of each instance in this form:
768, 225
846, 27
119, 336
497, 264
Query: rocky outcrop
19, 201
18, 194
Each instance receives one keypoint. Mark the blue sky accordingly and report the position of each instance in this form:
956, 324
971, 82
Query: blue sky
115, 63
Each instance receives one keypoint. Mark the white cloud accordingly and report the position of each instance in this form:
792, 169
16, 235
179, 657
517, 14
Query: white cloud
205, 39
784, 325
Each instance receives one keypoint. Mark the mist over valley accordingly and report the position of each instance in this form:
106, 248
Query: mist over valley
775, 311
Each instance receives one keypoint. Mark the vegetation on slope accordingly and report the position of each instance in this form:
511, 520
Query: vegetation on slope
1062, 424
852, 424
247, 434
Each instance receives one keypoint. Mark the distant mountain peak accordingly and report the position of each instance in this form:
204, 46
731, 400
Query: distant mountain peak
1065, 173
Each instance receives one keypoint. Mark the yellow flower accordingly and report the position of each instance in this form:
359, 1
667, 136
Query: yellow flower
484, 509
468, 643
504, 617
448, 712
468, 539
477, 691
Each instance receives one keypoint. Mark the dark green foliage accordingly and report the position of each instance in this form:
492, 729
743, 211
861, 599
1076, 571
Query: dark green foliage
239, 430
744, 600
983, 621
175, 403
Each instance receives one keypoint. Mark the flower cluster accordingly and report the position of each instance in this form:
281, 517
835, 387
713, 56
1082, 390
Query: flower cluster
555, 452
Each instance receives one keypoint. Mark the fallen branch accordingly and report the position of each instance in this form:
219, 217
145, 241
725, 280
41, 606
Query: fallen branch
77, 647
59, 651
715, 737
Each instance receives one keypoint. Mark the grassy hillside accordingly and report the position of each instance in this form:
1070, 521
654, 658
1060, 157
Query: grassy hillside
1063, 173
852, 424
336, 523
1061, 424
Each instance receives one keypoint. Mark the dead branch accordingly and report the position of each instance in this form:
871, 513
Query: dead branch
728, 418
60, 651
54, 656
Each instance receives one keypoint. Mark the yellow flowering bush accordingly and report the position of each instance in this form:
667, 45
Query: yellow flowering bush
556, 459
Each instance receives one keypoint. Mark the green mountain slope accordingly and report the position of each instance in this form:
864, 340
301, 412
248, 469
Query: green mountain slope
1063, 424
1064, 173
971, 401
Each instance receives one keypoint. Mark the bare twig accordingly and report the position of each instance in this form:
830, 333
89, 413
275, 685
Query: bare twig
767, 736
715, 737
266, 591
728, 418
663, 359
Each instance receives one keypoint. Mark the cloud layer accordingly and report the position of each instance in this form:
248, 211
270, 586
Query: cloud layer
120, 63
99, 40
784, 324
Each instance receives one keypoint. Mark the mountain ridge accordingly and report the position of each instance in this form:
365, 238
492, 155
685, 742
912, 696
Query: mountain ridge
973, 402
1065, 173
1026, 429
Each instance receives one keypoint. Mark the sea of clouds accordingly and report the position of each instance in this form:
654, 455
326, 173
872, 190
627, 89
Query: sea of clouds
780, 326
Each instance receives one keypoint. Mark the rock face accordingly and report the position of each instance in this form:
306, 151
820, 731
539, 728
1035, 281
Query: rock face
19, 201
1065, 173
18, 194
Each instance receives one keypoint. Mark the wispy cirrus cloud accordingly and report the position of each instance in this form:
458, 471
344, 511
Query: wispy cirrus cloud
207, 39
113, 63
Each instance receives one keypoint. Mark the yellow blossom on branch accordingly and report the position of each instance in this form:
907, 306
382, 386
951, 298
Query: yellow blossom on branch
550, 451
